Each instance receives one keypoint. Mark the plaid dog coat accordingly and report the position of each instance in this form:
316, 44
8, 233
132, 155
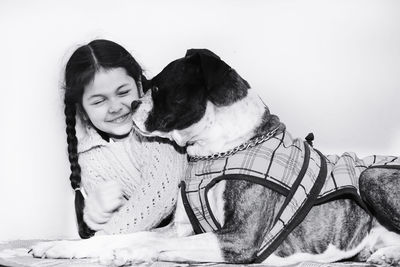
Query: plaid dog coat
290, 167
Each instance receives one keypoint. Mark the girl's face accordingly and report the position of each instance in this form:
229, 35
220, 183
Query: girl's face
107, 101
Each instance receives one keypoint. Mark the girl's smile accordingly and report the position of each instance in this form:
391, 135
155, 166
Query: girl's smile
121, 119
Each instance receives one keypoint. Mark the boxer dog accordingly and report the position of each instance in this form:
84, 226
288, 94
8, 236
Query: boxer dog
252, 193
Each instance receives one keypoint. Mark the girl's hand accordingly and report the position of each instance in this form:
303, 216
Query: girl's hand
102, 203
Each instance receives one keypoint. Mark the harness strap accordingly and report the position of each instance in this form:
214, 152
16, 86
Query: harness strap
268, 249
297, 183
197, 228
192, 217
395, 167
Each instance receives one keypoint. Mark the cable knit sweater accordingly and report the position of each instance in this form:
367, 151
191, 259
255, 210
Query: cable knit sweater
149, 170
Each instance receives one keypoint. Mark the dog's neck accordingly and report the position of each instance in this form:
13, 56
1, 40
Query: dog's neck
223, 128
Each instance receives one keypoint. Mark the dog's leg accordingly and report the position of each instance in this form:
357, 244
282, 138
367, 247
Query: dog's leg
387, 256
198, 248
103, 247
236, 242
380, 188
87, 248
383, 247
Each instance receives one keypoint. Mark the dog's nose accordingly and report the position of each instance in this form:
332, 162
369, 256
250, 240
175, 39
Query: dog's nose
135, 104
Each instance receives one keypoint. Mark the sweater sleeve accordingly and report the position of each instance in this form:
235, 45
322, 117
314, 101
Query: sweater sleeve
155, 198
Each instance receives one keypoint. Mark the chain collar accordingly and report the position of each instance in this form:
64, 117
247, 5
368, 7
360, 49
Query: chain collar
251, 143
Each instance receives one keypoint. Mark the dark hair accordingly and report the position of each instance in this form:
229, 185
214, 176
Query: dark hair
79, 71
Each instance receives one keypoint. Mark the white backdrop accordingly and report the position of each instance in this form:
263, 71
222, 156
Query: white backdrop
331, 67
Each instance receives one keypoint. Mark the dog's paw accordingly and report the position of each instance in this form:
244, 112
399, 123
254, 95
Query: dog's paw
387, 256
107, 258
39, 250
57, 249
134, 255
65, 249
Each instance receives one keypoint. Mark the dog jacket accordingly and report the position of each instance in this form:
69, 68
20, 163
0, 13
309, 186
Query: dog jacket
290, 167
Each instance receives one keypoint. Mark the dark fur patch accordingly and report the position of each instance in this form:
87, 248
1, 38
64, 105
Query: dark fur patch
341, 223
224, 85
269, 123
249, 213
231, 89
180, 98
380, 188
185, 85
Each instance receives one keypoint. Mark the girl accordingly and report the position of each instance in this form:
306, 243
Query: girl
131, 182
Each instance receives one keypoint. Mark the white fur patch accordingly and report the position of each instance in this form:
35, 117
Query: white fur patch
381, 237
140, 115
223, 128
387, 256
216, 201
181, 220
377, 238
331, 254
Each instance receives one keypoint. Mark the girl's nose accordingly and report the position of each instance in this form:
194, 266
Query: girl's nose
115, 106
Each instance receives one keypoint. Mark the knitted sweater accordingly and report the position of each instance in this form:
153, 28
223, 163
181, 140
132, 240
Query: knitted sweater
149, 171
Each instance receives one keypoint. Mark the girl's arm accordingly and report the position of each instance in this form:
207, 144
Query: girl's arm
155, 198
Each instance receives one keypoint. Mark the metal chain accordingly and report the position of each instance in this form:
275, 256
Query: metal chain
251, 143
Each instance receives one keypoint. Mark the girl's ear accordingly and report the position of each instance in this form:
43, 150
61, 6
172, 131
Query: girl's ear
82, 122
84, 117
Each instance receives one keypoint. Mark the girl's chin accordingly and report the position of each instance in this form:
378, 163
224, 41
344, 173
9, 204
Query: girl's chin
121, 131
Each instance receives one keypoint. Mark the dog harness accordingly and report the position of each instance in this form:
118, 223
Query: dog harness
286, 165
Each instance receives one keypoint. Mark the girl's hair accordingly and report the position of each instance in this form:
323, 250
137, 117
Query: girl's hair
79, 71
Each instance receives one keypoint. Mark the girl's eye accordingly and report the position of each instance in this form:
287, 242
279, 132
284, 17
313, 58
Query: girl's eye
97, 102
122, 93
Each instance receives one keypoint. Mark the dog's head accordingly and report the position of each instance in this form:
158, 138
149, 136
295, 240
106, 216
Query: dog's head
187, 99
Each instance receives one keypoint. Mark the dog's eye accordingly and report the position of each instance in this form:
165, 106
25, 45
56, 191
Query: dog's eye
154, 89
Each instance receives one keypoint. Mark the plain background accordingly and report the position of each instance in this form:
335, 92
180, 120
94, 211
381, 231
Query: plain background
330, 67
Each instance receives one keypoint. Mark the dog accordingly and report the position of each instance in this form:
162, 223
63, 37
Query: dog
252, 193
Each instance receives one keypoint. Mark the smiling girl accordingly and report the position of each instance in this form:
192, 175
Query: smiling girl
123, 182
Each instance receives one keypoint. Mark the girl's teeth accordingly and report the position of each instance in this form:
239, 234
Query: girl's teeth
120, 119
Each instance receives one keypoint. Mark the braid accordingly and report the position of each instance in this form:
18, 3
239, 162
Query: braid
75, 177
72, 141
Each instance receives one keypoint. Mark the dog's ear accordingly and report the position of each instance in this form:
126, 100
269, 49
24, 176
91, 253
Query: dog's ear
202, 51
224, 85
